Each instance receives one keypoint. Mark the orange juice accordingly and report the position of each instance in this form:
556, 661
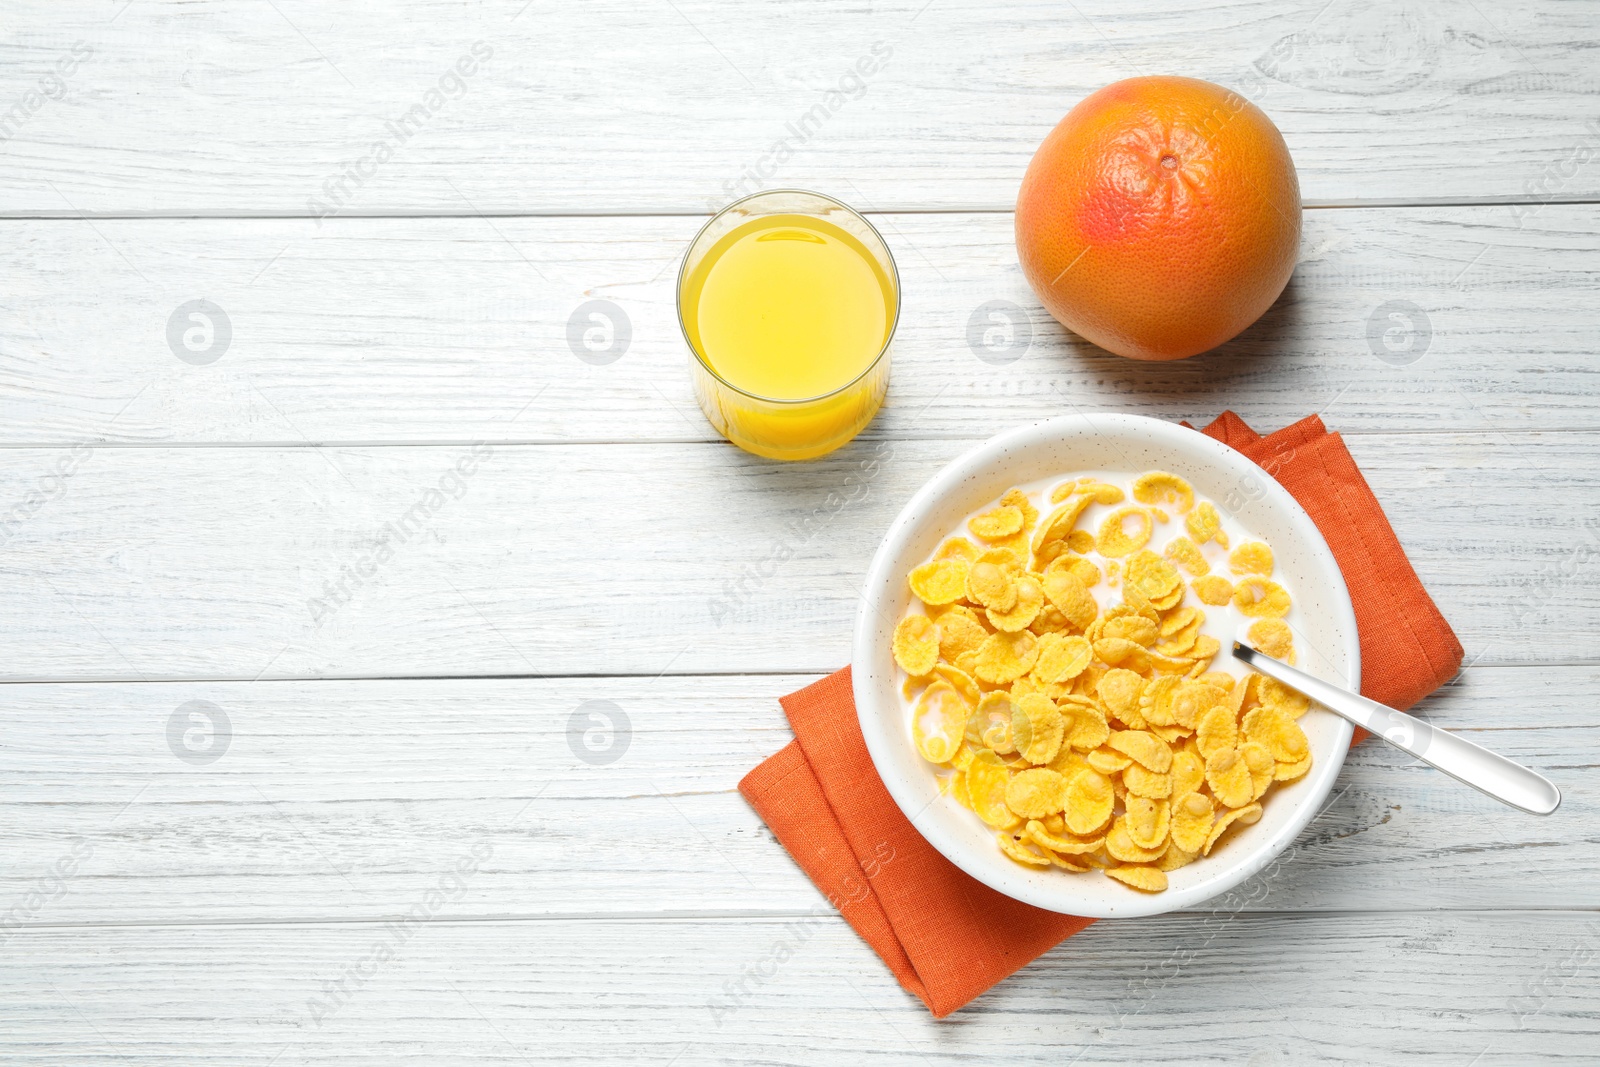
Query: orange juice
789, 314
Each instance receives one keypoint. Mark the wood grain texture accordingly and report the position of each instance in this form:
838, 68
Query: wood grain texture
346, 800
457, 329
173, 533
227, 108
1432, 988
628, 559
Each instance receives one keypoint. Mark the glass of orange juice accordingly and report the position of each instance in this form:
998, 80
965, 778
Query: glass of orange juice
788, 301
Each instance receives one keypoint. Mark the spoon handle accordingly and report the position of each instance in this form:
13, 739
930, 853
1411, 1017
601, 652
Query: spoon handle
1508, 782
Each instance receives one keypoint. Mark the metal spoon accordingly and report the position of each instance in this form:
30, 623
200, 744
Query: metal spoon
1508, 782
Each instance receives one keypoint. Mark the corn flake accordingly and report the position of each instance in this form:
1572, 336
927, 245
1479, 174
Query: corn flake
1088, 683
1085, 728
1156, 576
1273, 637
1136, 628
1036, 792
940, 581
1069, 595
1170, 734
1136, 599
1257, 597
1188, 772
1120, 689
1217, 731
1025, 685
1114, 541
993, 525
1186, 554
1061, 658
1191, 700
1029, 601
1086, 571
957, 548
1144, 748
1066, 864
1120, 652
1067, 764
1191, 821
992, 579
1148, 822
987, 781
1149, 879
1102, 492
1005, 657
960, 681
959, 631
1245, 816
1179, 620
1261, 766
1121, 846
1049, 621
1109, 761
1289, 772
1252, 557
1141, 782
1071, 846
1089, 800
1175, 857
1159, 487
1244, 692
1036, 728
1155, 704
1203, 523
1213, 589
990, 723
1277, 732
939, 722
1182, 641
1058, 525
1020, 849
956, 786
1229, 778
916, 645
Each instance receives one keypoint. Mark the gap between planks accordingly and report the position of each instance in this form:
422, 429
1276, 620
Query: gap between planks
758, 916
575, 675
624, 213
578, 442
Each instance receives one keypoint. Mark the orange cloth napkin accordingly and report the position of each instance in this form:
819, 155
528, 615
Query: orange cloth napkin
946, 936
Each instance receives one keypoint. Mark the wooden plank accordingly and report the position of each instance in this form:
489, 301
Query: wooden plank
345, 800
1427, 988
613, 106
457, 329
145, 563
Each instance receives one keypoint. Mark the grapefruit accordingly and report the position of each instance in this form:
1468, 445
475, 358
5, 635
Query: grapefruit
1160, 217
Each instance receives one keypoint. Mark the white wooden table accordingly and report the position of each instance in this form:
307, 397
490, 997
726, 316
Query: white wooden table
238, 746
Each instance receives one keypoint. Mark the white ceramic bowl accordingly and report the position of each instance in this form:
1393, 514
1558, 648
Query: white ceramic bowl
1325, 625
